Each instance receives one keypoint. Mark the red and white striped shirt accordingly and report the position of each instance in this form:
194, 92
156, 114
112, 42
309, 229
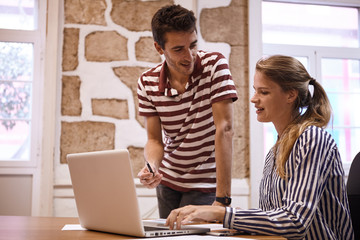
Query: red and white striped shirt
187, 120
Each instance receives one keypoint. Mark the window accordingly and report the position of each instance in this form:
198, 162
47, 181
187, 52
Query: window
18, 15
311, 25
20, 81
329, 48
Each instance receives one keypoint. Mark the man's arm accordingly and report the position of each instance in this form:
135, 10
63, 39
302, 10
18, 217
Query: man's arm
153, 152
223, 120
154, 148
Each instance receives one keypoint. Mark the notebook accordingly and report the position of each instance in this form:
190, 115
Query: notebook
105, 196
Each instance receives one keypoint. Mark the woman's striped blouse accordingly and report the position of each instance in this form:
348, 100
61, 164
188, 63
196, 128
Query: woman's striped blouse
187, 120
311, 204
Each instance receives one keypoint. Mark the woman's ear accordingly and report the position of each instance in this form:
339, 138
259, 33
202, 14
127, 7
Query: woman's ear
292, 95
158, 48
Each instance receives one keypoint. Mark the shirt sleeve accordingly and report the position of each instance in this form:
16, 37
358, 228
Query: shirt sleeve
146, 108
222, 84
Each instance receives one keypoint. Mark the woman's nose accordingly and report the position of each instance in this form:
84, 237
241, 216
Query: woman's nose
253, 99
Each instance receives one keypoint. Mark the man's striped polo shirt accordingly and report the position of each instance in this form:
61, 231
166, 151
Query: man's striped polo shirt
187, 120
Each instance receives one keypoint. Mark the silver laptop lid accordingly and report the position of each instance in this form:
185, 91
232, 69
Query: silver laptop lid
105, 192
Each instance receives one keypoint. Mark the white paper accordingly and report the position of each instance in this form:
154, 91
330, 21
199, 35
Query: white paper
72, 227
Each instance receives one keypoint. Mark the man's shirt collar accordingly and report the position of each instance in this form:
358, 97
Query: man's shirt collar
164, 83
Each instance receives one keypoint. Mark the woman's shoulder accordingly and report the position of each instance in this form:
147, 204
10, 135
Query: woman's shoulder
315, 130
316, 136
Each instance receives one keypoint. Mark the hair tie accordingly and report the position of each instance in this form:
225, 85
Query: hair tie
312, 81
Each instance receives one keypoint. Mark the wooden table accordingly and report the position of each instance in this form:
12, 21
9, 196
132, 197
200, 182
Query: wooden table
49, 228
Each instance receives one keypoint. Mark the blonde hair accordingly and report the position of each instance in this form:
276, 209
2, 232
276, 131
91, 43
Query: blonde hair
309, 109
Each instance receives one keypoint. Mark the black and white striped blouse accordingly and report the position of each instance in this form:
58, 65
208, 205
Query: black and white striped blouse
311, 204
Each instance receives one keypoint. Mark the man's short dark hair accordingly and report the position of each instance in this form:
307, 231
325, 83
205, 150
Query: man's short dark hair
173, 18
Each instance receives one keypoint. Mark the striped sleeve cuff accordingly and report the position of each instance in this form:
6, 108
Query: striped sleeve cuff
229, 217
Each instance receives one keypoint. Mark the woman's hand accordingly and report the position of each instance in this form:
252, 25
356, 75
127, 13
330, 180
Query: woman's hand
190, 213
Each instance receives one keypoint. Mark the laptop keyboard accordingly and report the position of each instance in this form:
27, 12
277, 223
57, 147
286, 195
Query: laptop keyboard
149, 228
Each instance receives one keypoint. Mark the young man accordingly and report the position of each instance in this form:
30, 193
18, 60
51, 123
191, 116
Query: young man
187, 103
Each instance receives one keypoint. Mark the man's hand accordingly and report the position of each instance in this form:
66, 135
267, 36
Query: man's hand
148, 179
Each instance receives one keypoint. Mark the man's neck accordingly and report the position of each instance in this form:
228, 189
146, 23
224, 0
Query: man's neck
178, 81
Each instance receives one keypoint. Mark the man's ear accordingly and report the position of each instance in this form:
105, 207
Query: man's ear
158, 48
292, 95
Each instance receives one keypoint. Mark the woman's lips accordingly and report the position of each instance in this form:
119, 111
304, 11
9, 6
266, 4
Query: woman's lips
259, 110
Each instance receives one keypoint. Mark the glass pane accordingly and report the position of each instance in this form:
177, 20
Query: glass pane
14, 140
341, 80
304, 24
16, 61
304, 61
340, 75
348, 141
15, 100
16, 76
343, 106
18, 15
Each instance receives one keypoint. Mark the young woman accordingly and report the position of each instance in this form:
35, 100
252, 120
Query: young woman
302, 192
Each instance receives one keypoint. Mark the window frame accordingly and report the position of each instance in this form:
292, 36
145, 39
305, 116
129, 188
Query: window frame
40, 166
37, 38
256, 51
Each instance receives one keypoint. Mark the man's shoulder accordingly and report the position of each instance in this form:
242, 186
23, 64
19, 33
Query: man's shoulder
151, 75
152, 72
209, 59
207, 54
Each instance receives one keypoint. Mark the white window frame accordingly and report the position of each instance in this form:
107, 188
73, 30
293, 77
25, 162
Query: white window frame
39, 165
256, 51
37, 38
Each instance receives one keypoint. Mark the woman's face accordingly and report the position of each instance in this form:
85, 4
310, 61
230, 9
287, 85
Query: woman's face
272, 103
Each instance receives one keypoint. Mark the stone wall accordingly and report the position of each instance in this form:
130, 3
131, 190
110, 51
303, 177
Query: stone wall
106, 45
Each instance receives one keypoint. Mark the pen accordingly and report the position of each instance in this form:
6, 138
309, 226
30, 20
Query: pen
149, 167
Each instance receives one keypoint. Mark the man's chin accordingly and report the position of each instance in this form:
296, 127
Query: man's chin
188, 71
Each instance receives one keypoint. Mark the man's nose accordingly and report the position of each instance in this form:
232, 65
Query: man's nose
189, 54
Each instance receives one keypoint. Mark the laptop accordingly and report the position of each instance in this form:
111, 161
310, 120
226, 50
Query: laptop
105, 196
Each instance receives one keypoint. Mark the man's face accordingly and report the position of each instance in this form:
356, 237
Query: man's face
180, 52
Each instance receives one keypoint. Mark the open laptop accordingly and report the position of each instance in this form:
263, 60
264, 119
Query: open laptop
106, 198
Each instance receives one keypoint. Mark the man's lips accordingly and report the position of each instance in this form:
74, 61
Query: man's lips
187, 65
